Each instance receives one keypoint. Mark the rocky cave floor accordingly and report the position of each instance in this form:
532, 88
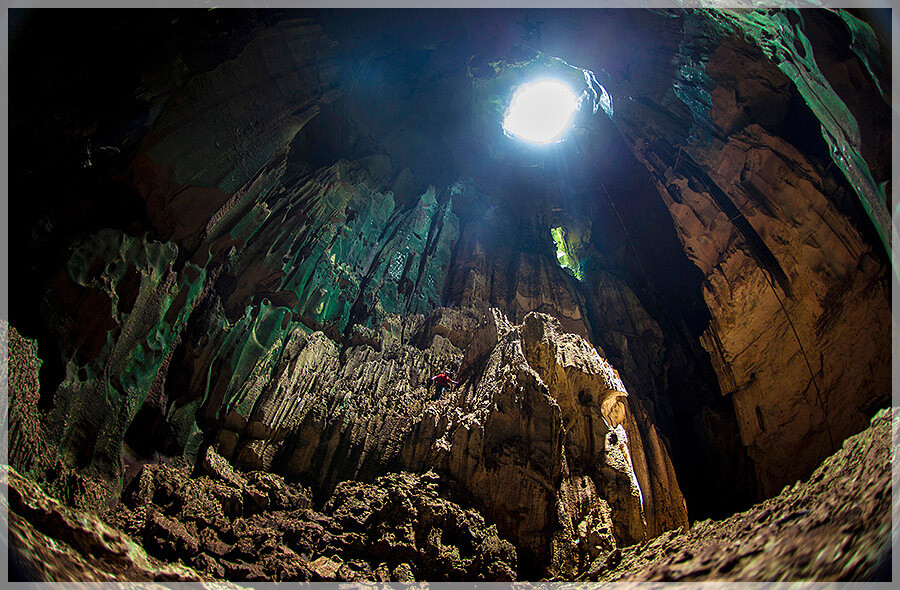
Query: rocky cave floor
179, 524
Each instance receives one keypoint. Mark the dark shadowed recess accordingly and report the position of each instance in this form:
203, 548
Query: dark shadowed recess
70, 150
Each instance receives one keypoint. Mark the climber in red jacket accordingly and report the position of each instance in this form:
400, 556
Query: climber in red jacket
442, 381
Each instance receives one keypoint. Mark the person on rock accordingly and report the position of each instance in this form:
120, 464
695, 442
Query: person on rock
442, 381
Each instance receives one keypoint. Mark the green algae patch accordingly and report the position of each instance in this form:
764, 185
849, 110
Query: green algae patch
565, 254
341, 246
244, 355
436, 262
334, 252
355, 261
96, 402
258, 341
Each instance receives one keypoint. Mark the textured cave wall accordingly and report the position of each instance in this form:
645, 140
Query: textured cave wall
301, 228
765, 223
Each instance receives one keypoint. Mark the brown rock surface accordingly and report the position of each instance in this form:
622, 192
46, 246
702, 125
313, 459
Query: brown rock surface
834, 526
789, 281
500, 265
55, 543
412, 525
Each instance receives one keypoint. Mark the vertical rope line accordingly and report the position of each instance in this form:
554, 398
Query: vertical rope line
628, 235
812, 375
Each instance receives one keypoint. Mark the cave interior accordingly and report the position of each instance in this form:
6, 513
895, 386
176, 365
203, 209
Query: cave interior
243, 241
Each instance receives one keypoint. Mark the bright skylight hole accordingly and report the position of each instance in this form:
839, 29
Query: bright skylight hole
540, 112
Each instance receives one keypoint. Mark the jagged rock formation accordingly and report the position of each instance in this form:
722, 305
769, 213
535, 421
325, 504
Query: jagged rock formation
28, 438
257, 528
537, 431
56, 542
830, 527
835, 526
272, 248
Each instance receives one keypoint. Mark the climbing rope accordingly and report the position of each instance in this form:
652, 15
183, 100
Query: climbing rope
812, 375
628, 235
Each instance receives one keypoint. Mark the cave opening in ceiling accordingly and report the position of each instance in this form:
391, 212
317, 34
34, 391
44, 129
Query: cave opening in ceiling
248, 241
541, 111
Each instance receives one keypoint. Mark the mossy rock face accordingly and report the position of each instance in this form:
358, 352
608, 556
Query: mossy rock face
143, 306
332, 252
335, 251
325, 254
567, 246
361, 251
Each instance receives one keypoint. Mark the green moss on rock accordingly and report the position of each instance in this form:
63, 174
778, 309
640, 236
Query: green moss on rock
96, 402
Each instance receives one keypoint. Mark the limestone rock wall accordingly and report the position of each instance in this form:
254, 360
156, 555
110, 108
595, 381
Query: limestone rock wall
497, 264
267, 93
790, 279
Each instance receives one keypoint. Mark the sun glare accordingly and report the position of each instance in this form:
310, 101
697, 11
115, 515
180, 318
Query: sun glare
540, 112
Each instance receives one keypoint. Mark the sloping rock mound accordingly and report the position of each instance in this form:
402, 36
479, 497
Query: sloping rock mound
538, 414
176, 527
835, 526
52, 542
